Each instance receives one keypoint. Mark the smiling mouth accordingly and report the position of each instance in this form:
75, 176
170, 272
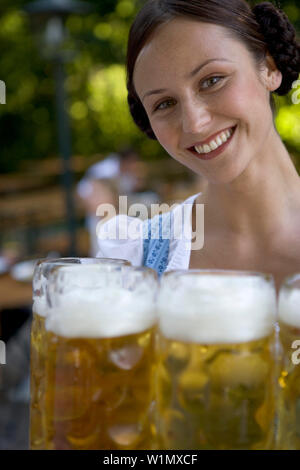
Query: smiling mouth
215, 146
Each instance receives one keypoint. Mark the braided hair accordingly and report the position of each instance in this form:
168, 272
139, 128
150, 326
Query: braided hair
263, 29
281, 43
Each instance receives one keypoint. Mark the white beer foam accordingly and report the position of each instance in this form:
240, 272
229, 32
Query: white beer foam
217, 309
39, 301
289, 306
96, 305
39, 306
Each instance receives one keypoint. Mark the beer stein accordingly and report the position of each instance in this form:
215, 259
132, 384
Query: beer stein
289, 375
38, 348
100, 357
215, 372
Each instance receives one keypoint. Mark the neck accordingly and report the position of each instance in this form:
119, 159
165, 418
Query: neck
261, 200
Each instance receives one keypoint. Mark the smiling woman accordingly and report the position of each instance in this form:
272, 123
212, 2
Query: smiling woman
200, 78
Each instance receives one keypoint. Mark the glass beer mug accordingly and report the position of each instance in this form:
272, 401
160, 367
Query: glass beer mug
100, 357
38, 352
215, 367
289, 376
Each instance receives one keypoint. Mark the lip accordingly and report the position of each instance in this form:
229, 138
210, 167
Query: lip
214, 153
212, 137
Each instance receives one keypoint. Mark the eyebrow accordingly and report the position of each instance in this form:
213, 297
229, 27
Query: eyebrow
190, 75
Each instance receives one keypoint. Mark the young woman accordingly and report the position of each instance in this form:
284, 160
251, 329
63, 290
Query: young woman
201, 74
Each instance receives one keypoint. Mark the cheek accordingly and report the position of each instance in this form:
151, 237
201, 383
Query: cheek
165, 134
236, 100
244, 98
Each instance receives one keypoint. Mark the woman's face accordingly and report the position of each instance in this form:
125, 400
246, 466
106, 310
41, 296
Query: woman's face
207, 102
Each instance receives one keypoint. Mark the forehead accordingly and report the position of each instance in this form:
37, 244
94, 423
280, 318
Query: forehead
180, 45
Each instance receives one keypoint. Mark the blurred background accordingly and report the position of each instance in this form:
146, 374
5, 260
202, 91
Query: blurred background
62, 62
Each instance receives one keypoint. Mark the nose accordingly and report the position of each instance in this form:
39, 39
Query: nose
195, 116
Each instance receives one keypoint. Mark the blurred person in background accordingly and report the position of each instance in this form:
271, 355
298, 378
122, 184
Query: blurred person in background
119, 174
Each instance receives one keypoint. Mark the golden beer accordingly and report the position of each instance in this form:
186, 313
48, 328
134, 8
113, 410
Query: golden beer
100, 364
38, 347
99, 392
38, 353
289, 375
215, 368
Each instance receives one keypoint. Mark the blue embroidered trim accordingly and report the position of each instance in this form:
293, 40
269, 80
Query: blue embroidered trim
156, 235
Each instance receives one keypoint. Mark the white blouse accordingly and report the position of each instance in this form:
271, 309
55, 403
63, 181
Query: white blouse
131, 249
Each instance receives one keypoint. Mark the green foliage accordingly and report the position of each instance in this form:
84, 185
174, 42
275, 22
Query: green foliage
104, 114
28, 121
288, 124
95, 83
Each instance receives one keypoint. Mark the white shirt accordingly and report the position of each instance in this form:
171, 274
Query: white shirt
131, 249
106, 169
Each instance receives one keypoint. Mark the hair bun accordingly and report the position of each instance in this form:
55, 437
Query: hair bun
281, 42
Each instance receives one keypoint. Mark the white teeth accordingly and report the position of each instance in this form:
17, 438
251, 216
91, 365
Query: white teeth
223, 137
214, 144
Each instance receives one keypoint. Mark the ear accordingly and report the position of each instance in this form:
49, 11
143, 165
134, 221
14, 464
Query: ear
271, 75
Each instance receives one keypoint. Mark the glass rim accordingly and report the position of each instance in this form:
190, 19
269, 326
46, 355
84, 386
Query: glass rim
44, 266
229, 272
76, 259
123, 269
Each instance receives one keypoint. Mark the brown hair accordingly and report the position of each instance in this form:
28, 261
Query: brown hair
263, 29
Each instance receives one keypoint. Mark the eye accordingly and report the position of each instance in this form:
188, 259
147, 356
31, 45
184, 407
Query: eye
164, 105
211, 81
